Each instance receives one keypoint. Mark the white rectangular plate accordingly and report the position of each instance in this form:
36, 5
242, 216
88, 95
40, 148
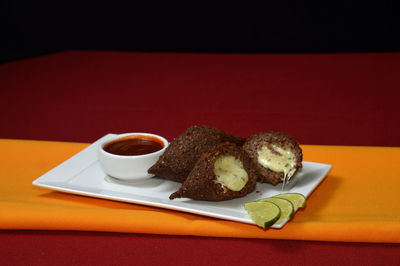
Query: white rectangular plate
82, 174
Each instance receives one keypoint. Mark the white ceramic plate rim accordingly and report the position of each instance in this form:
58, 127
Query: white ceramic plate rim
70, 177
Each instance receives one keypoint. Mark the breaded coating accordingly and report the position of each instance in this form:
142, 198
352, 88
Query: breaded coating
204, 184
183, 152
273, 146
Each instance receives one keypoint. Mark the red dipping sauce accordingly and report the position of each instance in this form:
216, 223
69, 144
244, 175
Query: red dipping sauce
134, 145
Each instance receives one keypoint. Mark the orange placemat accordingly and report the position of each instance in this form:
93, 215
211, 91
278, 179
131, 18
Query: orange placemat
358, 201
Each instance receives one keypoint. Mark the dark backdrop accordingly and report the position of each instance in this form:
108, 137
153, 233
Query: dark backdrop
31, 28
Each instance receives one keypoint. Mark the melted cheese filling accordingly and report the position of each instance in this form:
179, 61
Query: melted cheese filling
230, 173
277, 160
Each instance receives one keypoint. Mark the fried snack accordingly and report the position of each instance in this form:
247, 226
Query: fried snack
182, 154
275, 155
224, 172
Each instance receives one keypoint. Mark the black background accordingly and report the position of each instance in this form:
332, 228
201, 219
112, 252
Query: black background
32, 28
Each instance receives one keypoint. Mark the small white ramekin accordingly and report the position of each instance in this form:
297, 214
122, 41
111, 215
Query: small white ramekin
132, 167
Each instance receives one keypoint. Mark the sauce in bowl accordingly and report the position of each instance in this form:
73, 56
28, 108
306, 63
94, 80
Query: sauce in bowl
134, 145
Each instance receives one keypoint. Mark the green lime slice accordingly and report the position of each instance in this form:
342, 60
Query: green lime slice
287, 209
264, 214
298, 200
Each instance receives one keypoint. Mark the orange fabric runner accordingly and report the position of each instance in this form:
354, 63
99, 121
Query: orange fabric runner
357, 202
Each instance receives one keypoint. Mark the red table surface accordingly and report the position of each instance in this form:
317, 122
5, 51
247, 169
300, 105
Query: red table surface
330, 99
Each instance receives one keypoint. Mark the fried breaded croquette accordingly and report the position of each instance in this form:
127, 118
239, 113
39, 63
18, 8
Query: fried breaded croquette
182, 154
275, 155
224, 172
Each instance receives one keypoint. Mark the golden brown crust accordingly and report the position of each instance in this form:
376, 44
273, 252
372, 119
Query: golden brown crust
254, 143
201, 183
183, 152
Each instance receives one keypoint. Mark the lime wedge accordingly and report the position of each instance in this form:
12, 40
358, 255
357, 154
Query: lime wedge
287, 209
264, 214
298, 200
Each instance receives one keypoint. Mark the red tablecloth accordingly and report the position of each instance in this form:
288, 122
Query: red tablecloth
346, 99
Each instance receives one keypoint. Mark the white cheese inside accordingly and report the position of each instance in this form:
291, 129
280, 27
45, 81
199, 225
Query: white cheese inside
277, 160
230, 173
